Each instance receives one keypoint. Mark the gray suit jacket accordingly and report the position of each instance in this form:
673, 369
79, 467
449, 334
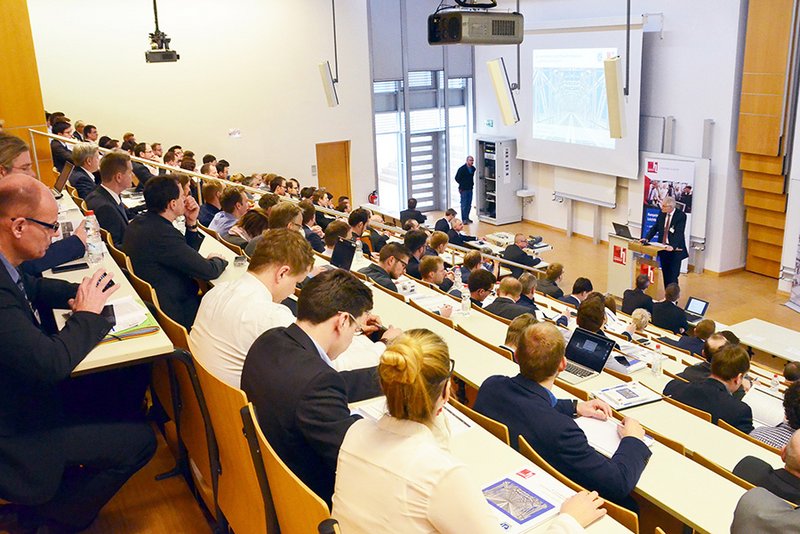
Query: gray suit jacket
761, 511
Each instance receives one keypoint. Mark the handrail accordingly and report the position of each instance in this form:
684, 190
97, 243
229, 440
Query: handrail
337, 214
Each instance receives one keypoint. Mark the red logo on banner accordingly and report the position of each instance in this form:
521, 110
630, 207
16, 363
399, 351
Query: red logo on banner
649, 271
652, 166
620, 255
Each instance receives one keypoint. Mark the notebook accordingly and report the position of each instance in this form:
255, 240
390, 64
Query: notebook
343, 253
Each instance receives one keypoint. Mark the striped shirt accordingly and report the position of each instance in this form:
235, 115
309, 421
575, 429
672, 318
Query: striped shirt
776, 436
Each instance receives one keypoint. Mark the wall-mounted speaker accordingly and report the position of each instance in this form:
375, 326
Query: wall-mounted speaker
328, 84
503, 92
614, 94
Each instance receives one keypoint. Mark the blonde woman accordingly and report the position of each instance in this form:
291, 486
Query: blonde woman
397, 474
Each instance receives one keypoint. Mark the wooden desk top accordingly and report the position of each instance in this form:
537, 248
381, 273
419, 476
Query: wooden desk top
770, 338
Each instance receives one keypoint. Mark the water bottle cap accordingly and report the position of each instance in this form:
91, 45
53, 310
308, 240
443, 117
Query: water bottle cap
89, 212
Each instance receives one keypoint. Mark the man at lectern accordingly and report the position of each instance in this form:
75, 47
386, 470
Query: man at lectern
671, 228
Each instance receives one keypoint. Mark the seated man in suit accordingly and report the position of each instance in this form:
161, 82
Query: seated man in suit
320, 199
431, 270
667, 314
277, 186
760, 511
377, 238
61, 151
506, 304
283, 215
140, 170
695, 342
412, 213
86, 158
443, 224
234, 204
778, 436
437, 244
57, 471
637, 298
313, 233
791, 371
515, 330
359, 222
335, 231
455, 235
700, 371
580, 290
549, 284
714, 394
165, 258
526, 405
106, 201
410, 224
269, 201
415, 241
301, 401
592, 316
528, 282
784, 483
212, 191
480, 285
391, 265
15, 161
472, 262
514, 252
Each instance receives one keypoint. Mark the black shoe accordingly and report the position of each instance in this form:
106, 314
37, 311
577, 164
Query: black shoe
468, 221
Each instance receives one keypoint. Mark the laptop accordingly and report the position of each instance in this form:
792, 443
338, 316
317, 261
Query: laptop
695, 309
58, 187
622, 230
587, 354
343, 253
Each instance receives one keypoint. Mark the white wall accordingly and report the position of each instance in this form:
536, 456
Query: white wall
247, 64
692, 74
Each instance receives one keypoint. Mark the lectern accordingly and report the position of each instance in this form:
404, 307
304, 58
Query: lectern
628, 258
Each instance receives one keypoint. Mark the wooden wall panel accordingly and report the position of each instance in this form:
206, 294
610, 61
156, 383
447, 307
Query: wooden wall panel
768, 183
765, 251
766, 201
759, 134
759, 163
773, 219
764, 104
763, 266
765, 234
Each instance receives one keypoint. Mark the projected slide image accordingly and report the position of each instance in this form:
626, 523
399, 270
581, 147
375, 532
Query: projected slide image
569, 96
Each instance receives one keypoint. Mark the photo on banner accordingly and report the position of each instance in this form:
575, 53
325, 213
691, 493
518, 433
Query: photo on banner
794, 296
667, 178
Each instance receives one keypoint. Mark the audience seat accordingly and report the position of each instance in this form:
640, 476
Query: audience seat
495, 428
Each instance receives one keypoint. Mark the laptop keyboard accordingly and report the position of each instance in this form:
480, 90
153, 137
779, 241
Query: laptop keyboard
578, 371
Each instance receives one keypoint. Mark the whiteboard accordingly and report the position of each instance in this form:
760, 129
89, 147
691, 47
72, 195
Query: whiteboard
584, 186
702, 168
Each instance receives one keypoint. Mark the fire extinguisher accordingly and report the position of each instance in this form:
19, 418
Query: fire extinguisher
373, 197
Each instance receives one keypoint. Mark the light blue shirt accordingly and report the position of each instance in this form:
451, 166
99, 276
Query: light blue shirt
222, 223
12, 271
322, 353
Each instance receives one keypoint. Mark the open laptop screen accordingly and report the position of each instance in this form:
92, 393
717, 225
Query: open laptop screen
696, 306
588, 349
343, 253
63, 177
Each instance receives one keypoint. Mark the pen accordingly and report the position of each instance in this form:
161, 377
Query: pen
100, 279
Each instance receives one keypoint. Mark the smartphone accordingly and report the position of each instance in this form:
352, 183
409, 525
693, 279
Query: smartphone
622, 360
108, 285
70, 267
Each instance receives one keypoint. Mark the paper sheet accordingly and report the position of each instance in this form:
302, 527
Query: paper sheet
602, 435
767, 406
128, 313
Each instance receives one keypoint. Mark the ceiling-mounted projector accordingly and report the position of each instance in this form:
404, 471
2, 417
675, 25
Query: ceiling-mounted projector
475, 27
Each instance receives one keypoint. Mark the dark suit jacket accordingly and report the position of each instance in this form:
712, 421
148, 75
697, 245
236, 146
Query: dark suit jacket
779, 481
112, 217
379, 276
142, 174
506, 308
669, 316
413, 214
459, 239
170, 262
517, 255
676, 235
713, 397
322, 220
82, 181
61, 154
442, 225
314, 240
413, 268
207, 212
570, 299
549, 288
692, 344
528, 303
697, 372
636, 298
301, 402
377, 240
62, 251
32, 362
525, 407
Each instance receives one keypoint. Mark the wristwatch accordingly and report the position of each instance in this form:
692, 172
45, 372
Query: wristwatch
191, 226
574, 407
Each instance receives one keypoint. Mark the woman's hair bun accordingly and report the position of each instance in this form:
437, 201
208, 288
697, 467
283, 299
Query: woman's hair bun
400, 362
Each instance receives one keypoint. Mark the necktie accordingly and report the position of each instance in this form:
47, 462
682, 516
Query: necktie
21, 288
666, 228
124, 213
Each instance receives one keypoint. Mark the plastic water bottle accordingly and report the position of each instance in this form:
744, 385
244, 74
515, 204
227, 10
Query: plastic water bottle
94, 241
774, 384
459, 284
658, 361
466, 303
359, 248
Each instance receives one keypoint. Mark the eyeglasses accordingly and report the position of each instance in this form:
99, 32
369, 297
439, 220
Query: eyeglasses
52, 226
452, 367
405, 263
359, 330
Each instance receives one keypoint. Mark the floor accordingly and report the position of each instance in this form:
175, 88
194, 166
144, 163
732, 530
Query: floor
145, 505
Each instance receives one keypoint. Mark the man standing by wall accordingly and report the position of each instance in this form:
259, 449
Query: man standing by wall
465, 179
